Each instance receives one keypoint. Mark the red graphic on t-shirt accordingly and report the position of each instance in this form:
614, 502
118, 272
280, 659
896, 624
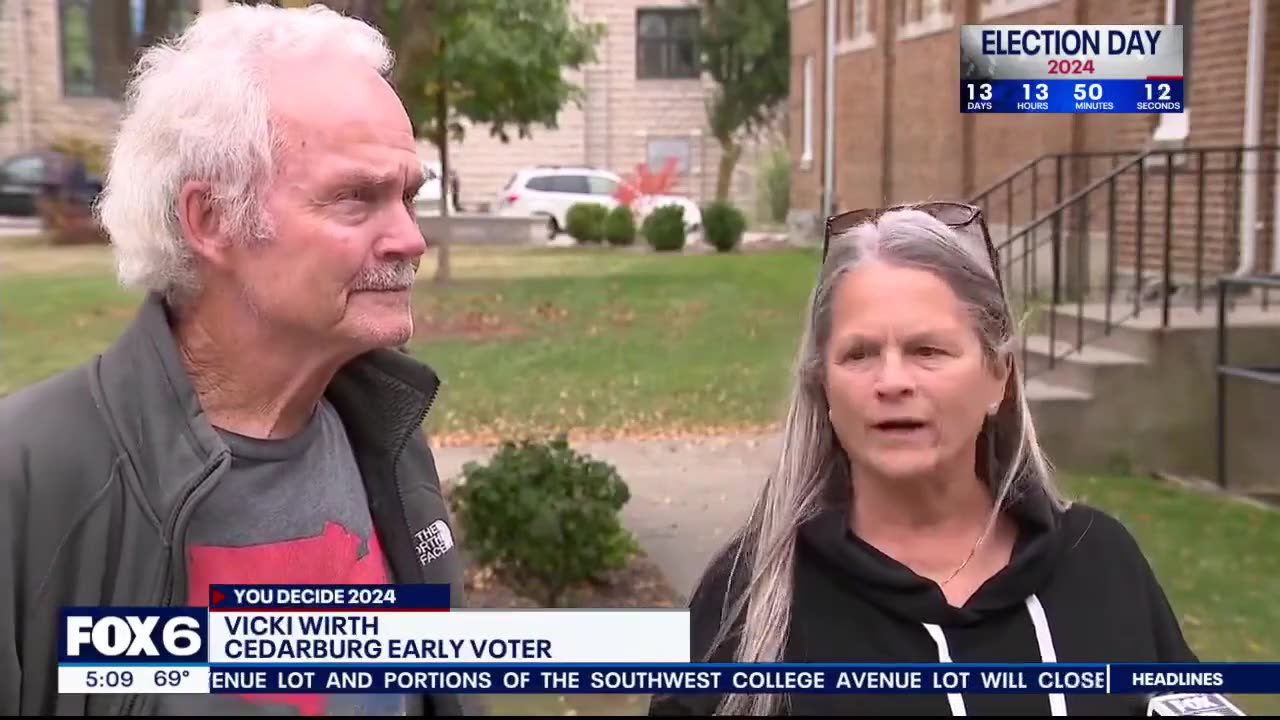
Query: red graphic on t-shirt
328, 558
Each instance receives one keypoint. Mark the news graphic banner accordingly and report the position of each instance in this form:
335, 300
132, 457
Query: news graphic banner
1071, 69
404, 639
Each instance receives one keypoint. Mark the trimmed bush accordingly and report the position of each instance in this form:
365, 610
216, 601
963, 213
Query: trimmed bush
620, 226
664, 228
66, 213
544, 517
585, 222
723, 225
69, 222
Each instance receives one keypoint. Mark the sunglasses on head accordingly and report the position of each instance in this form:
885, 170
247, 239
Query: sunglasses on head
957, 216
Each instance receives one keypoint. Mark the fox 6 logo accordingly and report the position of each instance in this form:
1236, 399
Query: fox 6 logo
134, 635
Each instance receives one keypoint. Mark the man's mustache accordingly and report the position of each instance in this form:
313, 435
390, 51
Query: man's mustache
392, 276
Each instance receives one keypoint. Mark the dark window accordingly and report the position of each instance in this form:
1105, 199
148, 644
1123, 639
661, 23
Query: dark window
27, 169
543, 184
99, 41
667, 43
575, 184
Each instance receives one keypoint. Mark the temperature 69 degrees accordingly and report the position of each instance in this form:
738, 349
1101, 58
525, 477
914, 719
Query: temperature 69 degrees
172, 677
124, 678
137, 679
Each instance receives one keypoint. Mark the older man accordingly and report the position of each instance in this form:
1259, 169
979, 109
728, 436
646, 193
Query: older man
254, 423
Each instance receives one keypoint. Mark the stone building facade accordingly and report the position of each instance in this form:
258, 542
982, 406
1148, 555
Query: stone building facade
645, 101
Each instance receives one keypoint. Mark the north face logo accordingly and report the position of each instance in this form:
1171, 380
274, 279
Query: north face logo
433, 541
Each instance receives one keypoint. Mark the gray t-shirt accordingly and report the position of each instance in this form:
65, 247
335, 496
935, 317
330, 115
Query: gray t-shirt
289, 511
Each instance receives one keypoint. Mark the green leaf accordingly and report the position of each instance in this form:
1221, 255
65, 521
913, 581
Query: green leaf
745, 46
498, 63
544, 514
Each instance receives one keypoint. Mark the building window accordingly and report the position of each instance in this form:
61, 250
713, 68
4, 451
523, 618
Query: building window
921, 17
806, 113
997, 8
855, 19
662, 149
913, 12
99, 41
934, 8
854, 26
667, 43
77, 48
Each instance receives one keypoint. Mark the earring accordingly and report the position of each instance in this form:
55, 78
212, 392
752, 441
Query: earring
993, 409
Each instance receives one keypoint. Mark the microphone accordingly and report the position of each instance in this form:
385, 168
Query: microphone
1185, 704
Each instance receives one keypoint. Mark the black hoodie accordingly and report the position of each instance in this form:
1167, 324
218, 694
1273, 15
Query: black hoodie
1077, 589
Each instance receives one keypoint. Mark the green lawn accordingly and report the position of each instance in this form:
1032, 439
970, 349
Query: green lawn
1217, 560
639, 342
552, 339
538, 342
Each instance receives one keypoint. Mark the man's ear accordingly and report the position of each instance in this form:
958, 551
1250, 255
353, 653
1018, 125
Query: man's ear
201, 227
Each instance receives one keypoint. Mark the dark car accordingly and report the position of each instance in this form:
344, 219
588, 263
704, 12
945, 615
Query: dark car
24, 177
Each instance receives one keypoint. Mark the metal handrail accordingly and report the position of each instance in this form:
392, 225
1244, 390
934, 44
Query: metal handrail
1010, 177
1147, 214
1222, 369
1075, 198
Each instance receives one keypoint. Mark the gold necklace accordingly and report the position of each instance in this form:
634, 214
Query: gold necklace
972, 554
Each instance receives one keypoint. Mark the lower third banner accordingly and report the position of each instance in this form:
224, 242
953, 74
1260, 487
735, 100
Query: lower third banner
1237, 678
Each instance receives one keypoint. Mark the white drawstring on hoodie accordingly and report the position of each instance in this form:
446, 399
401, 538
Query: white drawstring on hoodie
1044, 639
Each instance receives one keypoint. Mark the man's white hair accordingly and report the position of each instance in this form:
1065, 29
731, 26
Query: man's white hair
196, 109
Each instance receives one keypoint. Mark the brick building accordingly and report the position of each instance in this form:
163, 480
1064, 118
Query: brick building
898, 134
645, 100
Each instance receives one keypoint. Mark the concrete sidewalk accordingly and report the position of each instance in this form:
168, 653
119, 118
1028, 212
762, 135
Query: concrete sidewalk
18, 226
687, 496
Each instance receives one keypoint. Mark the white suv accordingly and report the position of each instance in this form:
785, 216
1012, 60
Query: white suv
550, 190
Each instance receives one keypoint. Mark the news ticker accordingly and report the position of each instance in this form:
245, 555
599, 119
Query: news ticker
393, 639
641, 678
1082, 69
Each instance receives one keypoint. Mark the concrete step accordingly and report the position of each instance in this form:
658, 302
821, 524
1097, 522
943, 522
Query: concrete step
1061, 417
1061, 363
1096, 326
1121, 330
1040, 391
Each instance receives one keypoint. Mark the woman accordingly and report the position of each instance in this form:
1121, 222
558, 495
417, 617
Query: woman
911, 515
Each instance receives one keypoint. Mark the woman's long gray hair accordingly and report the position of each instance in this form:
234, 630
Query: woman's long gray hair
810, 452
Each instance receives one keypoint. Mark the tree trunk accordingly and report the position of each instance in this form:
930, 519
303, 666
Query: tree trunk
155, 22
730, 152
443, 271
113, 46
